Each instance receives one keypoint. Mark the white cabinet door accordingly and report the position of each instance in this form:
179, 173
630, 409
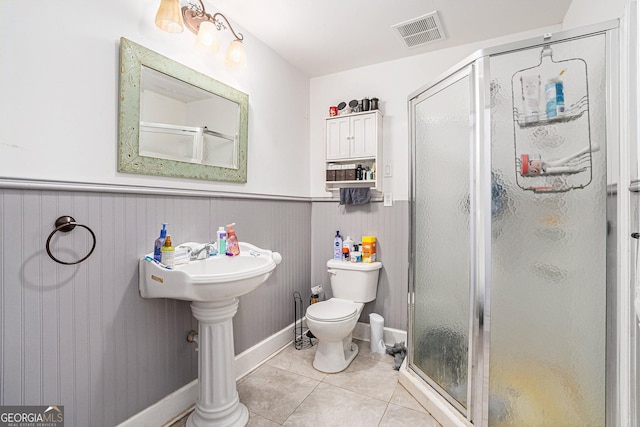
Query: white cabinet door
364, 134
338, 138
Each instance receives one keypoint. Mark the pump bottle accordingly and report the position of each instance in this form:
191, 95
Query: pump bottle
159, 243
337, 246
168, 253
232, 241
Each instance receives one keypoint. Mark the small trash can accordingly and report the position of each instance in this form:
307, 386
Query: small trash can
376, 322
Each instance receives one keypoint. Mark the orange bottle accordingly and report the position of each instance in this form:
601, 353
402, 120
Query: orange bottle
345, 253
368, 248
232, 241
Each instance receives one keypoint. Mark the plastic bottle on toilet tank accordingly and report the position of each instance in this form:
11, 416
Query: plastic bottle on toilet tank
348, 245
337, 246
368, 248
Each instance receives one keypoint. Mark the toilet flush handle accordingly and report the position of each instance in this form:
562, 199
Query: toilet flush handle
332, 272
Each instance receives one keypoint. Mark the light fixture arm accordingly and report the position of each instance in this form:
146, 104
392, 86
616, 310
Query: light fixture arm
200, 12
193, 15
219, 25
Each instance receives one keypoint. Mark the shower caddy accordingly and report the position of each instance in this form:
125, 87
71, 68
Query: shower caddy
542, 167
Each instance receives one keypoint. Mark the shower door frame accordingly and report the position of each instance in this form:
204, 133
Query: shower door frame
466, 71
477, 67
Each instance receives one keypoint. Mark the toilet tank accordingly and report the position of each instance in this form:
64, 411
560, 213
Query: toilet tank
354, 281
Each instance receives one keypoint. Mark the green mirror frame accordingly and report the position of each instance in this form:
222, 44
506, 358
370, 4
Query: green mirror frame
132, 58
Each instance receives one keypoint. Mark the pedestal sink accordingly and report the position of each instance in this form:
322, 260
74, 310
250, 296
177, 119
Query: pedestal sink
213, 285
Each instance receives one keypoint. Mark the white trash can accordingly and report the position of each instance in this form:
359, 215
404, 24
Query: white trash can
376, 322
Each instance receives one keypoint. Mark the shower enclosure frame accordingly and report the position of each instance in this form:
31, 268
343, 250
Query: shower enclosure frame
477, 68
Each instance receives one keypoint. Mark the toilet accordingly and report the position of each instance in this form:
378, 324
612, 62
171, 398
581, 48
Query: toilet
333, 321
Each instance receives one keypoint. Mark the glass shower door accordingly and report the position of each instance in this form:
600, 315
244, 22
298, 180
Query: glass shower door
441, 242
548, 239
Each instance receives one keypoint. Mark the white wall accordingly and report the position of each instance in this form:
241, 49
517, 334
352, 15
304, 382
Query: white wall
587, 12
59, 84
391, 82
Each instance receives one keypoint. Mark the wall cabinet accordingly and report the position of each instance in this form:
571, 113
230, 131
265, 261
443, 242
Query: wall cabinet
353, 140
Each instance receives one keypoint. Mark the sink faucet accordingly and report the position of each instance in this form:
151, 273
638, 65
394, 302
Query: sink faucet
196, 254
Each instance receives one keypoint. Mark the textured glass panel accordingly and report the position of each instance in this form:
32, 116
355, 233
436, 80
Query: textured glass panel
441, 264
548, 290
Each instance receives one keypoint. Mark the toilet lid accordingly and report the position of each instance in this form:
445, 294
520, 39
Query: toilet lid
332, 310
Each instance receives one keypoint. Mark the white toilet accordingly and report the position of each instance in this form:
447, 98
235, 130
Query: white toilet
333, 321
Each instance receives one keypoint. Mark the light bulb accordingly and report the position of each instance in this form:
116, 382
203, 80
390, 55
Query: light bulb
236, 55
169, 16
207, 40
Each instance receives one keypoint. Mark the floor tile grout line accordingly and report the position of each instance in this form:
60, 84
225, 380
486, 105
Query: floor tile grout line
294, 359
358, 393
383, 414
300, 404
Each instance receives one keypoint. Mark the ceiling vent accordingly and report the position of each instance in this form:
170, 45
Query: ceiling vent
420, 31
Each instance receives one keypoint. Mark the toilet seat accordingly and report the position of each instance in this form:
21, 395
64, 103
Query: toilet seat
333, 310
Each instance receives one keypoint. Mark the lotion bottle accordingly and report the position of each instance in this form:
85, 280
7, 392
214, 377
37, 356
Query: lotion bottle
168, 253
337, 246
232, 241
222, 241
159, 243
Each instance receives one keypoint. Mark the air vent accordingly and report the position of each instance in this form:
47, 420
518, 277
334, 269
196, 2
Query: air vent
420, 31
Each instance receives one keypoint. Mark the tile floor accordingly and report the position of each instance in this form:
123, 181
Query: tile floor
288, 391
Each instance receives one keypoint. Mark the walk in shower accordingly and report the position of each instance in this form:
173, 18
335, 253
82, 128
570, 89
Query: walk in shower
511, 267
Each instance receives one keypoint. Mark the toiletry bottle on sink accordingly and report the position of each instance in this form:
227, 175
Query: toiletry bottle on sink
159, 243
232, 241
168, 253
222, 241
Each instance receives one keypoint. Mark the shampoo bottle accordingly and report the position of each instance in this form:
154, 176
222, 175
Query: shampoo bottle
337, 246
232, 241
168, 253
554, 96
222, 241
157, 249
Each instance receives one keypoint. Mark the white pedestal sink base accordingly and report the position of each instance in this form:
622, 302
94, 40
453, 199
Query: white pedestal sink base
218, 402
214, 285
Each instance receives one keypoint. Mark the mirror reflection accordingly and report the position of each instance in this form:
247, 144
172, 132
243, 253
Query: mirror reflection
177, 122
186, 123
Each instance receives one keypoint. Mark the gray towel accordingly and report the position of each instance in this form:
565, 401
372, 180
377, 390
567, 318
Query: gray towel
355, 196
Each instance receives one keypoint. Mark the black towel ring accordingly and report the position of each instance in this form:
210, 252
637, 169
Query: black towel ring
67, 223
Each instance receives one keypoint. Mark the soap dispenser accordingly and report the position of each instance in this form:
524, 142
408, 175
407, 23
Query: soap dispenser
159, 243
232, 241
168, 253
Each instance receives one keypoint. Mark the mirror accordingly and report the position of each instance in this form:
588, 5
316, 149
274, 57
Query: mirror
177, 122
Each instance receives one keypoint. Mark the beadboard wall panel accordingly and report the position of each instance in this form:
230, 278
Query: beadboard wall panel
81, 336
390, 225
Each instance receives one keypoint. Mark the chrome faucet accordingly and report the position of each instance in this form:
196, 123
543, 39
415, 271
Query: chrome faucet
196, 254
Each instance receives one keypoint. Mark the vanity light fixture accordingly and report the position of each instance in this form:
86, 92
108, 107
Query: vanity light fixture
169, 16
204, 25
